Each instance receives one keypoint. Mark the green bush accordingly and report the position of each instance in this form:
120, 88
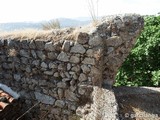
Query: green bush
142, 66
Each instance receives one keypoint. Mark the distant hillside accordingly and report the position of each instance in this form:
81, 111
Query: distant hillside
18, 25
24, 25
72, 22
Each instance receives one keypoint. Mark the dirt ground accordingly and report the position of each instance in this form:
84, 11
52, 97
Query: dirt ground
138, 103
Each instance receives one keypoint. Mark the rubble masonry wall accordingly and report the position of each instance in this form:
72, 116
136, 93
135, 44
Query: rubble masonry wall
60, 68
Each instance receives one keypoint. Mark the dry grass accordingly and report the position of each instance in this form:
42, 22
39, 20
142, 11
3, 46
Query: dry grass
33, 34
27, 33
56, 34
93, 9
53, 24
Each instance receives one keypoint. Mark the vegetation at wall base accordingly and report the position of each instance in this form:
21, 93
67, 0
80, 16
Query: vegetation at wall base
142, 66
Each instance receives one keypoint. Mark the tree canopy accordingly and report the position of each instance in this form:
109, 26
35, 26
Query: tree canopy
142, 66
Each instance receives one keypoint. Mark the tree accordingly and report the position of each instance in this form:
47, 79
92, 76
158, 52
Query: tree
142, 66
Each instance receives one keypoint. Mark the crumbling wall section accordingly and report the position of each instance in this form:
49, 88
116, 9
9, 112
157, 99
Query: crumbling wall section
60, 70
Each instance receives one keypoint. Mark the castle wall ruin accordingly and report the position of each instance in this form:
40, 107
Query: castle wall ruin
60, 68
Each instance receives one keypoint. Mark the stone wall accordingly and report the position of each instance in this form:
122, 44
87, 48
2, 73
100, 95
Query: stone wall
59, 68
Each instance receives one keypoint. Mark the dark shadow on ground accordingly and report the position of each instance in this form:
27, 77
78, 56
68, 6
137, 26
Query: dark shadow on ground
138, 103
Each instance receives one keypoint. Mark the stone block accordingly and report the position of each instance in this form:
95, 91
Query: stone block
44, 98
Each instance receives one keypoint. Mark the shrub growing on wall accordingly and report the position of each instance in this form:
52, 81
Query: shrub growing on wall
53, 24
142, 66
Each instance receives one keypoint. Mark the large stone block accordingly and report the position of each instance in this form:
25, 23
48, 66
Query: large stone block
44, 98
63, 57
78, 48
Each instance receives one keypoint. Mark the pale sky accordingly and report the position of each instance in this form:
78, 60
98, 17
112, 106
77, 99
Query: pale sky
38, 10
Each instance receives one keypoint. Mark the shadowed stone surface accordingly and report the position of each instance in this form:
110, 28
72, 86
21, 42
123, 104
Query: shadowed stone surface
44, 98
103, 107
138, 103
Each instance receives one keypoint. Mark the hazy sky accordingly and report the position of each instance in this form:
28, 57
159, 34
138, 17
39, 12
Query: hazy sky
37, 10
